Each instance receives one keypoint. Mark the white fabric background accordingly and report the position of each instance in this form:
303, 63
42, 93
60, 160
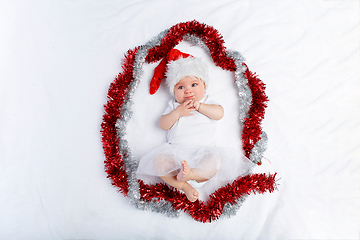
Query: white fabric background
59, 57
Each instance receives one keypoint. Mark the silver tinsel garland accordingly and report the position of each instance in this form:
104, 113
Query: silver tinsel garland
245, 97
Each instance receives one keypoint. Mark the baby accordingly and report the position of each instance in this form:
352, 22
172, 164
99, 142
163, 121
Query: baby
190, 120
189, 91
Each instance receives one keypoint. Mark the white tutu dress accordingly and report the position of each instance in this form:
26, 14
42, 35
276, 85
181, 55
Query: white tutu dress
193, 139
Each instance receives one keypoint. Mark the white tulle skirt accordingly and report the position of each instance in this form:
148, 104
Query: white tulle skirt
218, 164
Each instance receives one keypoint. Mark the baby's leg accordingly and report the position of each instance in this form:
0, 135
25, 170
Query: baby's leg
207, 168
164, 166
186, 174
190, 192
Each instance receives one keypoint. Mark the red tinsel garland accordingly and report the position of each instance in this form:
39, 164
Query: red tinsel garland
231, 193
114, 164
212, 209
252, 125
208, 34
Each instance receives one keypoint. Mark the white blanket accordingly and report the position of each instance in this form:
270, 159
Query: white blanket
58, 59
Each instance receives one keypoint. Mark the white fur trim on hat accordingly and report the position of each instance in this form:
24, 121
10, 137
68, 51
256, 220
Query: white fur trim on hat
186, 67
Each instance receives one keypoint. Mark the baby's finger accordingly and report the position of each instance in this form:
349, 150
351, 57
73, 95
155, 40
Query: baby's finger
191, 105
188, 102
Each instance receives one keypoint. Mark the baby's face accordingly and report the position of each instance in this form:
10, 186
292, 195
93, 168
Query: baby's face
189, 88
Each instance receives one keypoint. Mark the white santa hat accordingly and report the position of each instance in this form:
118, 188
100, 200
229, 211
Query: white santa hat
176, 66
186, 67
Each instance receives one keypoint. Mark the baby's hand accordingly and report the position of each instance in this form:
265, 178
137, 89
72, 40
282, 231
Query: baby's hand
196, 105
186, 108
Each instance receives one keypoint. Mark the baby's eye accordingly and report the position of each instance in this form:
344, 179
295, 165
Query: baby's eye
194, 84
180, 87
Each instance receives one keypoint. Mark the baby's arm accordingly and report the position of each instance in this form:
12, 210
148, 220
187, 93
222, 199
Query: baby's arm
168, 120
213, 111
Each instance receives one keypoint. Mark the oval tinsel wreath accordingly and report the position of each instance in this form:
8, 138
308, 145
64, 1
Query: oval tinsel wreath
121, 166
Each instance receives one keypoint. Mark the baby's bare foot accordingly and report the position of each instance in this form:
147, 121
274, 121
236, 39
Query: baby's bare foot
184, 173
190, 192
